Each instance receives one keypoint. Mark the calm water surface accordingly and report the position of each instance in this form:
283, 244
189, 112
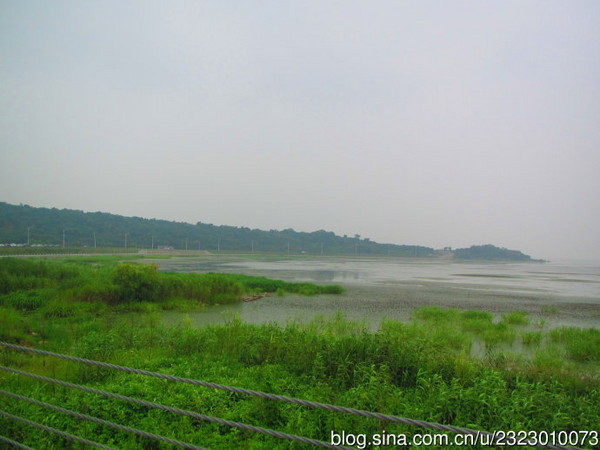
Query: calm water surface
561, 293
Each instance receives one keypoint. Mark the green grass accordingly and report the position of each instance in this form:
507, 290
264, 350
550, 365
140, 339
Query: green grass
499, 333
423, 369
581, 345
105, 259
548, 309
532, 338
476, 322
262, 284
403, 369
518, 318
28, 284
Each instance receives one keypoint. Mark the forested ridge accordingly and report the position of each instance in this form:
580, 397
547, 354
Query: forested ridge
490, 252
23, 224
27, 225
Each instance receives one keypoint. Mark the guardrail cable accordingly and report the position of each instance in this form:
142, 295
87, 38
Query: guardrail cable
55, 431
171, 409
268, 396
101, 421
264, 395
15, 444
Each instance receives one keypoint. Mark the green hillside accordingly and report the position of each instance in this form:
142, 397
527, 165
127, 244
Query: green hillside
48, 226
490, 252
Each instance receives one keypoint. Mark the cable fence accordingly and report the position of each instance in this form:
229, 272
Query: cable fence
192, 414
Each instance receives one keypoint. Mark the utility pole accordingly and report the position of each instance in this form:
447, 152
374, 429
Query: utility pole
219, 245
64, 231
152, 242
288, 247
28, 228
94, 239
186, 241
125, 240
321, 248
252, 245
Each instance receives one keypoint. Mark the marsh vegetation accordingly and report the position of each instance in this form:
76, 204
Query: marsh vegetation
462, 367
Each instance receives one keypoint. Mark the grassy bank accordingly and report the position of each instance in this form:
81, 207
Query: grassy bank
466, 368
27, 284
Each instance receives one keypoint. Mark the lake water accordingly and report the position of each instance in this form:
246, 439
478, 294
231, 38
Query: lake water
556, 293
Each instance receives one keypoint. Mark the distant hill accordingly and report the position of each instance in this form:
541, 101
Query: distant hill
48, 226
490, 252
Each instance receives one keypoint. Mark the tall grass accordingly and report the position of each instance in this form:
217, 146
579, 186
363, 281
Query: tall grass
27, 284
581, 345
518, 318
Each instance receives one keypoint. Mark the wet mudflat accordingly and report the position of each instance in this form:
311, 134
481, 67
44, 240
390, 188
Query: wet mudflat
553, 294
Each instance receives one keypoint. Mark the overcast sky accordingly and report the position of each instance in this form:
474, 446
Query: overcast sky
439, 123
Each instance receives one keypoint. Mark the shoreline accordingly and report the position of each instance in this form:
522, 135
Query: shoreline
381, 289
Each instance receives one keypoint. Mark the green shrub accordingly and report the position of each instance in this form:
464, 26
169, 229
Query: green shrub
137, 282
12, 325
222, 288
189, 286
59, 308
27, 300
78, 281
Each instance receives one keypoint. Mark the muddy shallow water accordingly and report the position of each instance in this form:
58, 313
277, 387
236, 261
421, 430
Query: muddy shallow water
555, 294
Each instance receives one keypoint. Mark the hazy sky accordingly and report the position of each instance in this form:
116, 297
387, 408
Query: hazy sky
412, 122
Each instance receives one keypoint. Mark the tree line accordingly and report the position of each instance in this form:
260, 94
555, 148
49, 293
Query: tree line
27, 225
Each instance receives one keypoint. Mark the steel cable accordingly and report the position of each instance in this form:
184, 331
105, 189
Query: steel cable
55, 431
171, 409
282, 398
82, 416
15, 444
